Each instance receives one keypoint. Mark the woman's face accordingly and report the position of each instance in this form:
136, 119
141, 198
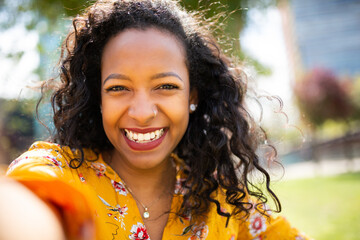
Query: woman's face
145, 95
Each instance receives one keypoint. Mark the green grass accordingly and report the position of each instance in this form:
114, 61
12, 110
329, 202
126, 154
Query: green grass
324, 207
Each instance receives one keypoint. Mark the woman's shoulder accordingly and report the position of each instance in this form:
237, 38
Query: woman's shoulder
39, 154
257, 224
65, 152
47, 159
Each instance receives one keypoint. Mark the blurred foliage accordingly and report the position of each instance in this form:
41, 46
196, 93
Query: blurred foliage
47, 16
355, 97
33, 12
321, 96
16, 127
230, 15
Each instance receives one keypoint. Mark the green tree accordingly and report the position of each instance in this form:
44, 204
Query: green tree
16, 127
355, 97
321, 96
232, 16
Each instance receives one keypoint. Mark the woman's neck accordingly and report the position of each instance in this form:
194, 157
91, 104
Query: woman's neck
146, 184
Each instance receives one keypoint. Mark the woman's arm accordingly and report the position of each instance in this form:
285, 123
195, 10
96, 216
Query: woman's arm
25, 216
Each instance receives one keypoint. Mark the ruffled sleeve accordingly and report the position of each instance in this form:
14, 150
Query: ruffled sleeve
44, 169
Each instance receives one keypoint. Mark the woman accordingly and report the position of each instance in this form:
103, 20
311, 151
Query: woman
153, 139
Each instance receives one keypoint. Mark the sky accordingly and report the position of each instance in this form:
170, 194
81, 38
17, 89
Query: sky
263, 39
15, 77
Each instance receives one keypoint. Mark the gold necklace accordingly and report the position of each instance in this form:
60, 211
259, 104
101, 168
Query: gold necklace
146, 213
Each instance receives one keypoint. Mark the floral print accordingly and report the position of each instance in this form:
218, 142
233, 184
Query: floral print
139, 232
179, 186
224, 210
81, 176
199, 232
119, 187
186, 217
257, 224
14, 163
299, 237
121, 212
47, 154
99, 168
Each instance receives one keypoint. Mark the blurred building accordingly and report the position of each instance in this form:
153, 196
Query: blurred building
322, 34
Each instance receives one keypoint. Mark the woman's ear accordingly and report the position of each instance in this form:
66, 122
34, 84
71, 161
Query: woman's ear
193, 100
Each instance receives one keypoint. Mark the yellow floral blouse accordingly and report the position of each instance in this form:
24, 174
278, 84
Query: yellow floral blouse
92, 200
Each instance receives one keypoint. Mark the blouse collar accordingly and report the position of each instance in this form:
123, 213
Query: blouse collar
101, 168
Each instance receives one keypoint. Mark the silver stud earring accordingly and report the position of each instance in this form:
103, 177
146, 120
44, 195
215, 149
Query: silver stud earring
193, 107
155, 111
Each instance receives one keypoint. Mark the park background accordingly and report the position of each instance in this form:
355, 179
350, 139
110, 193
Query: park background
302, 58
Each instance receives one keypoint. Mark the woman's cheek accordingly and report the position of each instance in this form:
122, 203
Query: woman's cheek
112, 111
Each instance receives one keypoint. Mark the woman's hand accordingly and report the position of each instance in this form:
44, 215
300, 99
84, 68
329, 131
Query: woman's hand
25, 216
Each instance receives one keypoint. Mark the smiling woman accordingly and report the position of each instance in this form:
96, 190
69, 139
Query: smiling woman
152, 138
151, 76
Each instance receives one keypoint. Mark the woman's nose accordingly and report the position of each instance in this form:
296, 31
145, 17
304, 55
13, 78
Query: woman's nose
142, 109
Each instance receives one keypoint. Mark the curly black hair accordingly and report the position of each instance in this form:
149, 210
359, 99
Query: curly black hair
218, 146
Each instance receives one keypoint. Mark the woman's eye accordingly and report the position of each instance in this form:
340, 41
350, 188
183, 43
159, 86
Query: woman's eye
168, 86
116, 89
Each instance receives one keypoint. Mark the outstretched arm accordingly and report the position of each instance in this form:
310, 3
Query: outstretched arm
26, 216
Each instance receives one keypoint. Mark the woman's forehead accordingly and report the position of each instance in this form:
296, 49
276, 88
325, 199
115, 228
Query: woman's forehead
144, 38
135, 43
139, 51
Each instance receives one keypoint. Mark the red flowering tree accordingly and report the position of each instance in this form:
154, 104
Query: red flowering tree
355, 96
321, 96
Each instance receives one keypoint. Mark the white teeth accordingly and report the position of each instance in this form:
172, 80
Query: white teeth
147, 136
144, 137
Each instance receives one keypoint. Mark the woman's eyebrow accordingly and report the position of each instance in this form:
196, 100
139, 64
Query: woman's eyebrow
165, 74
116, 76
156, 76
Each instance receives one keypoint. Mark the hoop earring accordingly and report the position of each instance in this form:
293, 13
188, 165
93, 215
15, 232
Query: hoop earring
193, 107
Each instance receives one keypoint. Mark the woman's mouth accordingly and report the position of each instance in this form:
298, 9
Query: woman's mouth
144, 139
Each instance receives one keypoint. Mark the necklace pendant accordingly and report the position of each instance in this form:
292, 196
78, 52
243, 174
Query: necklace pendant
146, 214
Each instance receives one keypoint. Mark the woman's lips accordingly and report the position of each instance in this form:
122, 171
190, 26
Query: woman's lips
154, 138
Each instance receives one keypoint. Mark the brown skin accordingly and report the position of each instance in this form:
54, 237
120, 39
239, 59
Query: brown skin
24, 215
153, 75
